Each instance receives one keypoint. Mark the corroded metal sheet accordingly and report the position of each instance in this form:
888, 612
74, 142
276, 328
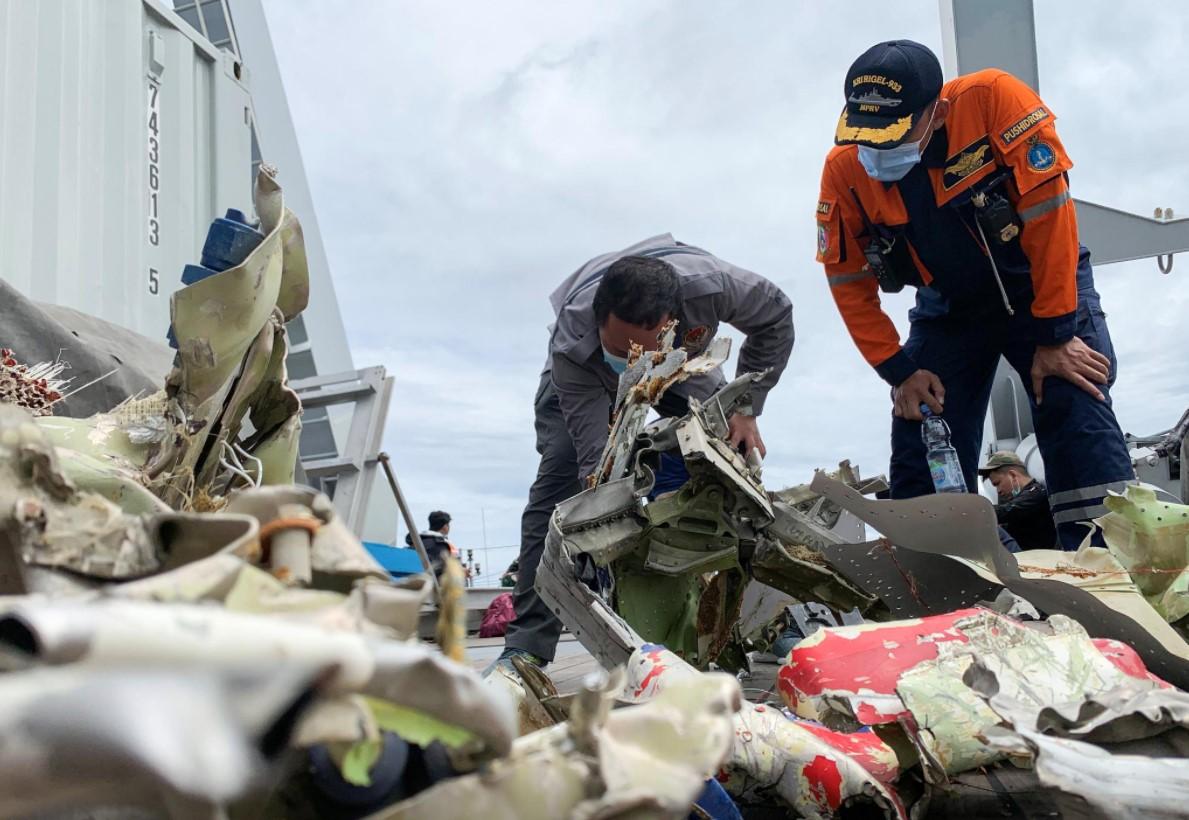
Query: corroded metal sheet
910, 584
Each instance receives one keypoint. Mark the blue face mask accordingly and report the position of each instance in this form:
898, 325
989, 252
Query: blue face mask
617, 363
892, 164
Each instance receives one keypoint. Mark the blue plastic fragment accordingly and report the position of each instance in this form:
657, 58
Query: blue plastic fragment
715, 802
229, 240
671, 475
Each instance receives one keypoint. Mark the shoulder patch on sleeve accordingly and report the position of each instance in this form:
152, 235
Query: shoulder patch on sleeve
829, 238
1026, 124
1041, 156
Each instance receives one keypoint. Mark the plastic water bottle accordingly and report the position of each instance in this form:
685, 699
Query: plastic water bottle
941, 456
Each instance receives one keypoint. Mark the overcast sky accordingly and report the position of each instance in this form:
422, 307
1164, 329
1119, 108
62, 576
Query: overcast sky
465, 157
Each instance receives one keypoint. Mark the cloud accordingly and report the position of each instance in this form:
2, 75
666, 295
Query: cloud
466, 158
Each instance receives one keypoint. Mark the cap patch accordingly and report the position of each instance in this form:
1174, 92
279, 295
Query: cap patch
1025, 125
968, 161
873, 101
1041, 156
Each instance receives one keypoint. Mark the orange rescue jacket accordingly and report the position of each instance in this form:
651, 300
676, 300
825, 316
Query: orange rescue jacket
996, 123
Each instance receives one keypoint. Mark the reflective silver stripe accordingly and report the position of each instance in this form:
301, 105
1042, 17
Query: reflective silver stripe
1080, 514
1087, 493
848, 277
1042, 208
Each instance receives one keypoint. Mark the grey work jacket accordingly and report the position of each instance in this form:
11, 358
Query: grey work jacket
712, 291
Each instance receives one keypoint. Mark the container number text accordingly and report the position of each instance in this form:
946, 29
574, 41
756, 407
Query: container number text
154, 157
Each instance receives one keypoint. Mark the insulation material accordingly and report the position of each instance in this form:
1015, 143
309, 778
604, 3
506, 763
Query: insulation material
1150, 538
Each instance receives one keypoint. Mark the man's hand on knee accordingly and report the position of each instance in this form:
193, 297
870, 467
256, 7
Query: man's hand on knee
922, 387
1075, 361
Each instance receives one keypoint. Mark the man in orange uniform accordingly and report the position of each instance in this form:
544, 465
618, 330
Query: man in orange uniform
960, 190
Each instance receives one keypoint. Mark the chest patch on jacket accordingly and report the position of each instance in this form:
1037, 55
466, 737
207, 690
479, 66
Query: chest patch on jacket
970, 159
695, 337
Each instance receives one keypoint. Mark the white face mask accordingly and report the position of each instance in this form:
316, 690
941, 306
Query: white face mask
892, 164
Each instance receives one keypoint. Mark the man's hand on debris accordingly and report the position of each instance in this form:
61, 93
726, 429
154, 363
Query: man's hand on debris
922, 387
1075, 361
742, 429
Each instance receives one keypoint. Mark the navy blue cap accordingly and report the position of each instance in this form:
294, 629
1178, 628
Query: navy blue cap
886, 89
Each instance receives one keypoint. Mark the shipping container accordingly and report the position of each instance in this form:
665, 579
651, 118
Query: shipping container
124, 132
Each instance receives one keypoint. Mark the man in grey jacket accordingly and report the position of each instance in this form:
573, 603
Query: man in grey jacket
609, 303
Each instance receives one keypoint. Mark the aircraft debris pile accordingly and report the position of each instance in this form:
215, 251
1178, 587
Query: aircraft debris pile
966, 656
184, 632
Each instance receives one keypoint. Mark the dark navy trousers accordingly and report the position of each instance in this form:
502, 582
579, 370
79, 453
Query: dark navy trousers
1080, 440
536, 628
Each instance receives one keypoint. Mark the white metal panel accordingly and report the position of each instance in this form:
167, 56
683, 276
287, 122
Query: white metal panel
75, 153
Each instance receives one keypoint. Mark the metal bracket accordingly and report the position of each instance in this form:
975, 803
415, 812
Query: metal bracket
977, 35
354, 470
